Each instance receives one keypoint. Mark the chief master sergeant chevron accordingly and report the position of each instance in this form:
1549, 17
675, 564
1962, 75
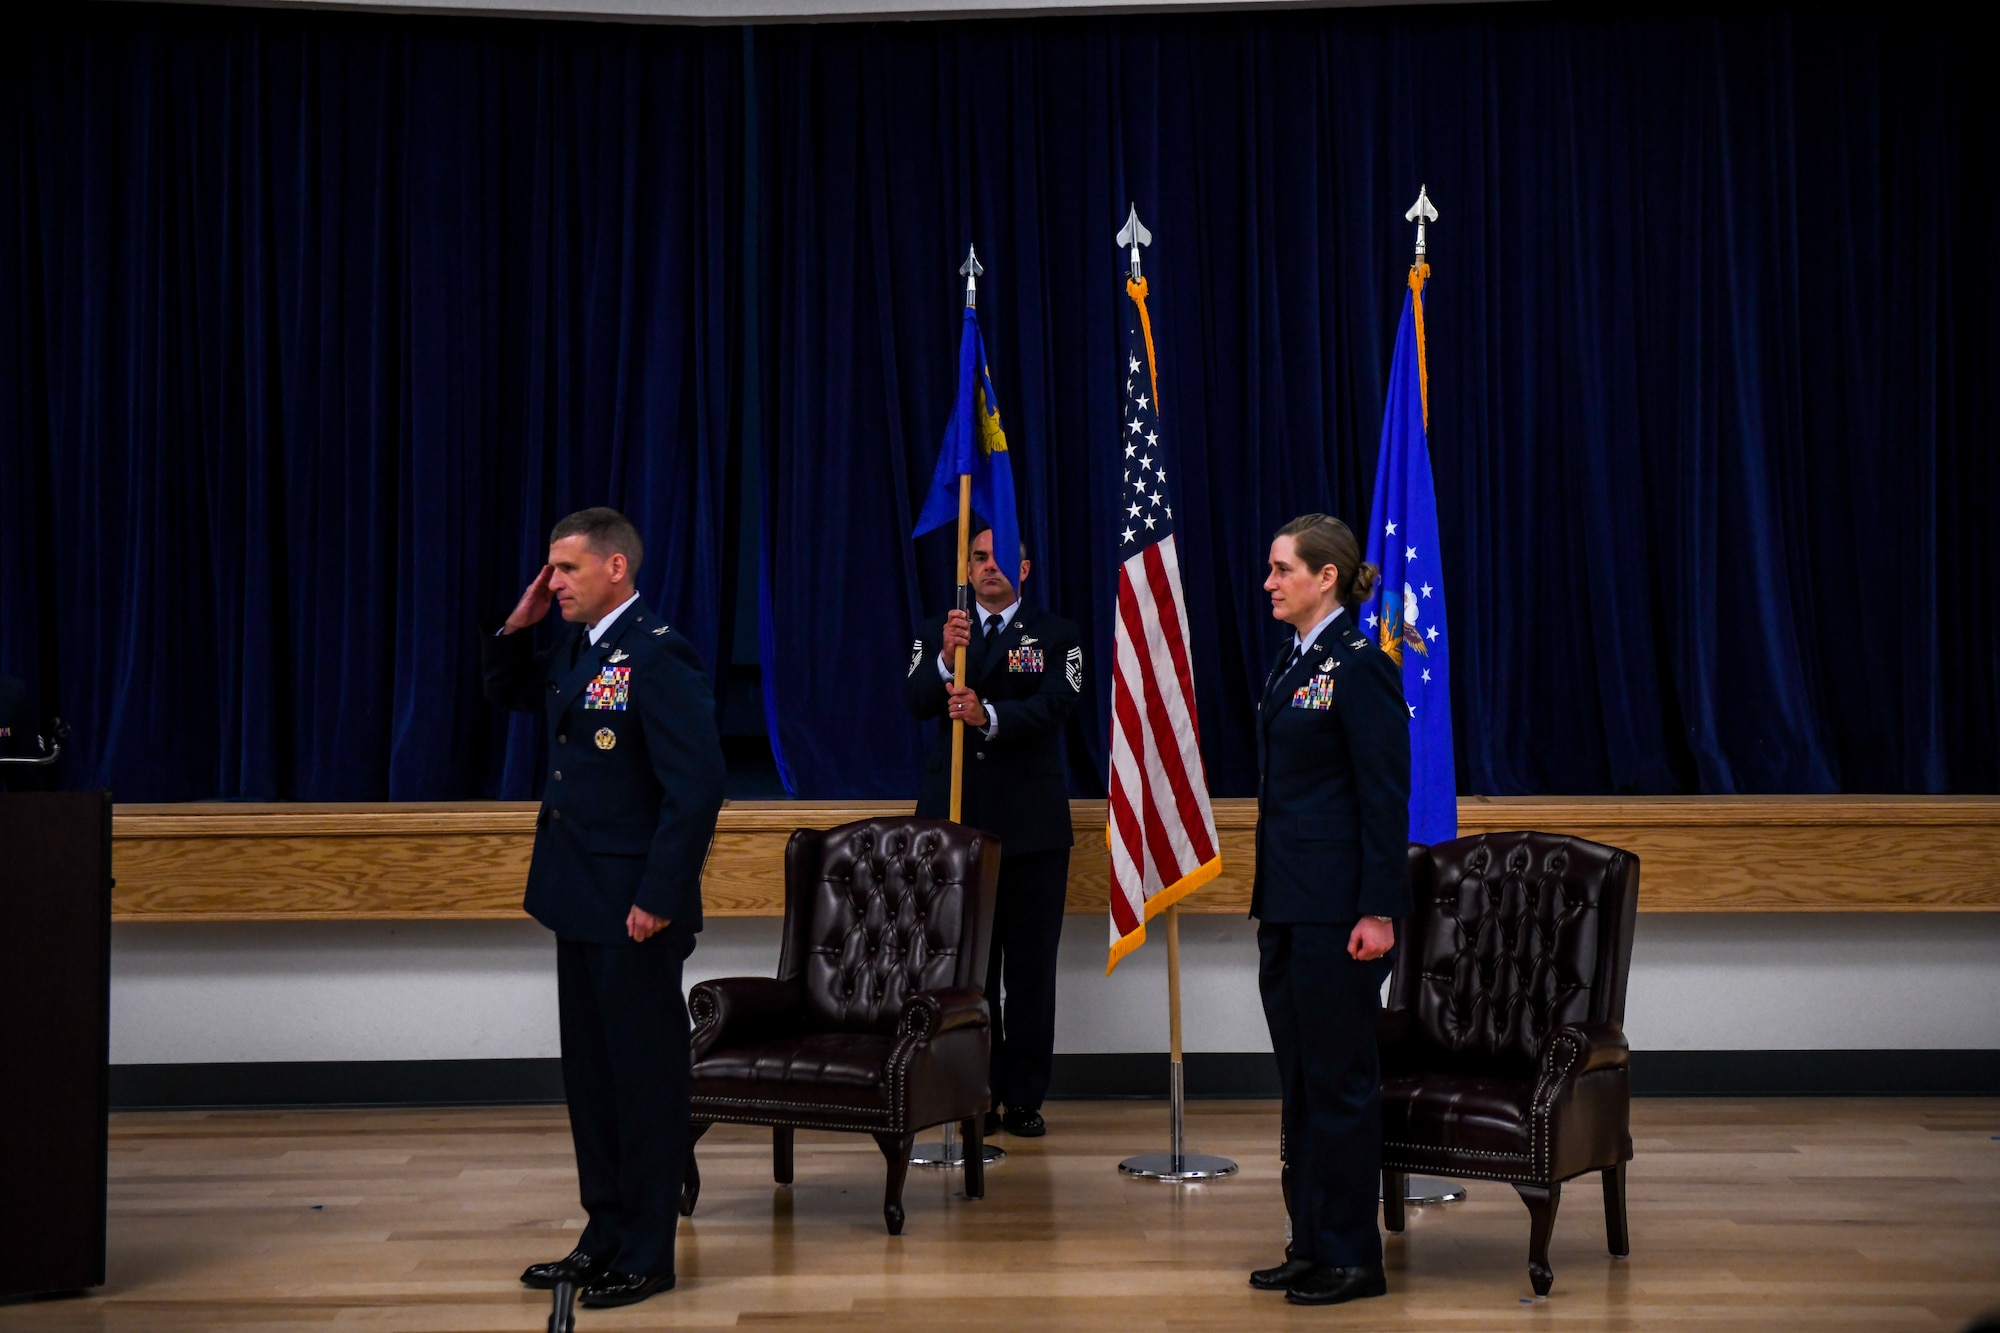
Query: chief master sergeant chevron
628, 809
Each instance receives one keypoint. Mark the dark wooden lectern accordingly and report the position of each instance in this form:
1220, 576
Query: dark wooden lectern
55, 1039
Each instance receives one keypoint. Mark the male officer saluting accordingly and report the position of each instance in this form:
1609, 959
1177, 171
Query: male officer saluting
628, 808
1023, 672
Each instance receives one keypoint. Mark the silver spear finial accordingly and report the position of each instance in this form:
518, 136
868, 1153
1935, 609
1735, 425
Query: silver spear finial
1420, 213
1133, 235
971, 269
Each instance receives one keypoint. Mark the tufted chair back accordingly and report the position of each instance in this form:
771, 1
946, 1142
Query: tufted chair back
879, 909
1511, 936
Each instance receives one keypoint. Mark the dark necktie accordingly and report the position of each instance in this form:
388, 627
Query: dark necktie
1298, 651
975, 662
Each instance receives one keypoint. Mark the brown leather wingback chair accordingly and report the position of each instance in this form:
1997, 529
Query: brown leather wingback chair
875, 1022
1503, 1046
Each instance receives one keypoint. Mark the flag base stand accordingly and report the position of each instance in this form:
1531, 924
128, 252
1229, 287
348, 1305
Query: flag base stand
950, 1152
1177, 1166
1165, 1166
1424, 1191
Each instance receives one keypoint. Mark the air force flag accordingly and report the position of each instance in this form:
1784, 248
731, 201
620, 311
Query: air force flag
1406, 615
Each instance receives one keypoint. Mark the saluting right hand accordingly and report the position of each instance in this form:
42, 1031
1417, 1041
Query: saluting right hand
534, 603
957, 635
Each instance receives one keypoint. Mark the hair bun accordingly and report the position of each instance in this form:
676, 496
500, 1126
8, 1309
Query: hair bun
1365, 579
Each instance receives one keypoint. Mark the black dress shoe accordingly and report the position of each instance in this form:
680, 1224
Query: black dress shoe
1326, 1285
1024, 1124
624, 1289
576, 1266
1284, 1275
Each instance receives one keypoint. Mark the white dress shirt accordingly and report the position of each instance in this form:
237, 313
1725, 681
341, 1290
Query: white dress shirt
597, 631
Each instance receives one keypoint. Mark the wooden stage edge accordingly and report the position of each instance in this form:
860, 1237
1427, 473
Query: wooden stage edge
467, 861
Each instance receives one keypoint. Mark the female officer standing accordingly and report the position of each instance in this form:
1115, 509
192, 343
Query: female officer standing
1333, 746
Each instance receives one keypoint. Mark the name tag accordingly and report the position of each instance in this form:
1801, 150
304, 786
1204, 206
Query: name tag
1316, 693
1025, 659
610, 690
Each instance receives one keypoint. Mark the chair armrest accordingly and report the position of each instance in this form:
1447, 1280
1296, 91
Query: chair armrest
930, 1013
740, 1009
1578, 1049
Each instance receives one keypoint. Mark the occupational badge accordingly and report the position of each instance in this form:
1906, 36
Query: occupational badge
606, 738
1028, 660
610, 690
1316, 694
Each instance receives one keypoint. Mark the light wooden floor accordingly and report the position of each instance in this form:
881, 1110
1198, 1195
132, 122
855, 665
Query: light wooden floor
1881, 1214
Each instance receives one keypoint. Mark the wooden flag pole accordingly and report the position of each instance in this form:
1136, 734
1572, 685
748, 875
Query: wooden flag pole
948, 1152
958, 657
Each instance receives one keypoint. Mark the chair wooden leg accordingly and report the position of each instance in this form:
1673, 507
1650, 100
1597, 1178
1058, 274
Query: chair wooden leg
1615, 1227
1542, 1201
896, 1148
781, 1154
973, 1132
691, 1174
1394, 1190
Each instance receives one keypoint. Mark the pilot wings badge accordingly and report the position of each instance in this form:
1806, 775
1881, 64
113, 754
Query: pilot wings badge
617, 655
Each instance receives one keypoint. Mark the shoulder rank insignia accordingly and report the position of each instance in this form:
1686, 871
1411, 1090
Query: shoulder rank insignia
661, 630
1358, 641
1073, 669
617, 655
916, 656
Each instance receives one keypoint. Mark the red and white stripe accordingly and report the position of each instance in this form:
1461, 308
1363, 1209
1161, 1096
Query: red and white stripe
1162, 829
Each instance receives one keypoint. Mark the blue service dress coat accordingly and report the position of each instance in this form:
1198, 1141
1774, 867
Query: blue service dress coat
635, 772
1333, 784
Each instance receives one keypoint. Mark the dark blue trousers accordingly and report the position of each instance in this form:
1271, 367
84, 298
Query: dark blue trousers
1027, 930
1322, 1008
626, 1074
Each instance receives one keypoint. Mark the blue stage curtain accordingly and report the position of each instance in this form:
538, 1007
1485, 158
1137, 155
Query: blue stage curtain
310, 327
1711, 369
311, 324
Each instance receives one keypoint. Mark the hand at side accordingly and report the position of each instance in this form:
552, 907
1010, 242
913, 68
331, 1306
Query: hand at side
1372, 938
642, 925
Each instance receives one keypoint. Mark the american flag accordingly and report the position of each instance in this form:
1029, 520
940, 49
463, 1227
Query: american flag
1162, 831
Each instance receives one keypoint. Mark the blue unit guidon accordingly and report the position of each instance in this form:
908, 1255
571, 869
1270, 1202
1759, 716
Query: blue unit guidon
610, 690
